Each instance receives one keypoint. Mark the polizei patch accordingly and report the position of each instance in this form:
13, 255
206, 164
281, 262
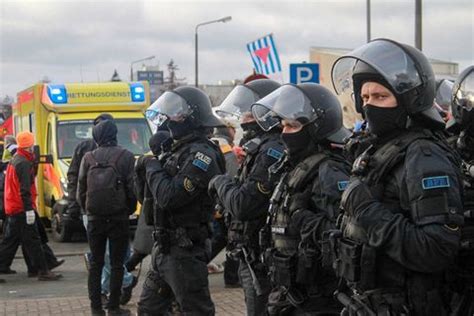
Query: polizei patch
435, 182
342, 185
202, 161
274, 153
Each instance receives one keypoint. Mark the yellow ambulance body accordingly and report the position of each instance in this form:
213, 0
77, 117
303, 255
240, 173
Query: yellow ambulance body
61, 116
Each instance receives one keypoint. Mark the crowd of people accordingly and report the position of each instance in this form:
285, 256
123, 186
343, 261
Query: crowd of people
315, 219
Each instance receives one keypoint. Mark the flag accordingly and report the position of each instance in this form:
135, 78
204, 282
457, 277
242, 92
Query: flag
264, 55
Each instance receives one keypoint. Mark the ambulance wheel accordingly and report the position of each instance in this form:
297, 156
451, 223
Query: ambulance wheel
61, 232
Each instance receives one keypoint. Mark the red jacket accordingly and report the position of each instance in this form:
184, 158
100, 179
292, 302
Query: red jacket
20, 189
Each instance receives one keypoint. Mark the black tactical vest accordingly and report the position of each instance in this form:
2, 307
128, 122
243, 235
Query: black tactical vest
200, 213
245, 233
285, 240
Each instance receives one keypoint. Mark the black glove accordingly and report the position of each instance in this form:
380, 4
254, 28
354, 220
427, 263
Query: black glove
356, 197
214, 183
150, 162
140, 164
300, 201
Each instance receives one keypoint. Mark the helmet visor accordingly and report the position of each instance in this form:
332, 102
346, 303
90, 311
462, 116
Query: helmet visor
287, 102
464, 96
443, 94
239, 101
387, 58
170, 106
266, 118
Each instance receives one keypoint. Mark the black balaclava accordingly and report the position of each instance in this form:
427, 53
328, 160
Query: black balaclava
179, 130
384, 121
299, 144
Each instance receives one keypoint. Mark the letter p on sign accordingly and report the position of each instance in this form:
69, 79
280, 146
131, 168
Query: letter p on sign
300, 73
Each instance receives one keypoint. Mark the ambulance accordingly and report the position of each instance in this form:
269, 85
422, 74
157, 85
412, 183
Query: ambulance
61, 116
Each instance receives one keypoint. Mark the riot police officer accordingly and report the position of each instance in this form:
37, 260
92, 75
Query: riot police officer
305, 202
183, 208
462, 103
245, 199
402, 207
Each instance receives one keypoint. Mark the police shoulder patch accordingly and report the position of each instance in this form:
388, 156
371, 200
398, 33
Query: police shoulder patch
202, 161
274, 153
435, 182
262, 189
342, 185
188, 185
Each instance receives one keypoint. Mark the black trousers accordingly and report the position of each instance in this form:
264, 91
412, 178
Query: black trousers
117, 232
48, 252
256, 304
219, 242
180, 275
18, 232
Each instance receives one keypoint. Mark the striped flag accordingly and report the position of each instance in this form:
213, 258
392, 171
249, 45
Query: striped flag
264, 55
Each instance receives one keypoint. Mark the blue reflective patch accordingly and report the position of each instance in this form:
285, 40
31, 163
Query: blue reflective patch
435, 182
200, 164
274, 153
342, 185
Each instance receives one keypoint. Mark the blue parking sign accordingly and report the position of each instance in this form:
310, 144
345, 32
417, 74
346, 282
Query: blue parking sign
304, 72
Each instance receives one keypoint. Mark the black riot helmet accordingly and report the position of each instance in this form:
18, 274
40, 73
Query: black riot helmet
401, 68
183, 103
241, 98
310, 104
462, 98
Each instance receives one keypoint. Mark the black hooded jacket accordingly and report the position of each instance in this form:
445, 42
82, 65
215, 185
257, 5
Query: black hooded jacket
81, 149
105, 135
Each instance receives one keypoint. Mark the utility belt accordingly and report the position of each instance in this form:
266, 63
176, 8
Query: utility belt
243, 234
117, 217
351, 260
182, 237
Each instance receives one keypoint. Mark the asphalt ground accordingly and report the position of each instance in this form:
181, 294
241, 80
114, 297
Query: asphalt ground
21, 295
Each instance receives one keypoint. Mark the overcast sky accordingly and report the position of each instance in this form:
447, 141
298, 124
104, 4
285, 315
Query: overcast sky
70, 41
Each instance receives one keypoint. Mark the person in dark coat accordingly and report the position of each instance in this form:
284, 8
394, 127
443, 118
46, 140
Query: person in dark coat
73, 171
107, 218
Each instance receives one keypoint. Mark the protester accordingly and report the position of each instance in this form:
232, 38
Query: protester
20, 208
105, 192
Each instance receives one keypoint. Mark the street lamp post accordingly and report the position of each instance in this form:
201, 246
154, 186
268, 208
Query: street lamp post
137, 61
223, 20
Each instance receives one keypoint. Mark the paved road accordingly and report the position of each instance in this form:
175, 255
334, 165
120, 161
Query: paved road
27, 296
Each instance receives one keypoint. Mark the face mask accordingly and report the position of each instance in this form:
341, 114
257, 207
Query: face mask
384, 120
250, 130
180, 130
296, 143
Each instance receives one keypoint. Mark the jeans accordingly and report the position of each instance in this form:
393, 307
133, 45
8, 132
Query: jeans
106, 272
101, 231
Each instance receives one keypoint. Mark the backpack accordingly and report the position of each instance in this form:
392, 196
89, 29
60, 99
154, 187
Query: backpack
105, 189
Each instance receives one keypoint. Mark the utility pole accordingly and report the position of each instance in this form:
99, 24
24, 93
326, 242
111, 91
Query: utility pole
418, 25
368, 21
